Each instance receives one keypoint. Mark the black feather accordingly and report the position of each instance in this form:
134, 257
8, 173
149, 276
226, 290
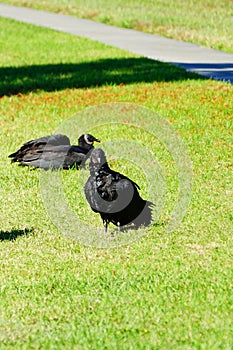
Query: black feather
114, 196
54, 152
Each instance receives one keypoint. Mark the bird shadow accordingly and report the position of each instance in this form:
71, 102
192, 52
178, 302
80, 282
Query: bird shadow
128, 228
14, 234
110, 71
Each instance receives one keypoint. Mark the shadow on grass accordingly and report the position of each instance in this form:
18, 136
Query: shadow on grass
129, 228
116, 71
13, 234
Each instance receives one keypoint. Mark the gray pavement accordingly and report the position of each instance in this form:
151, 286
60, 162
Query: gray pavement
195, 58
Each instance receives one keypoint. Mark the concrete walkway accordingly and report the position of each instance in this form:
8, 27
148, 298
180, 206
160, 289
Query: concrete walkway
207, 62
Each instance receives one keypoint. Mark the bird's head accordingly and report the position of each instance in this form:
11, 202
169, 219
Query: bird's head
87, 140
97, 159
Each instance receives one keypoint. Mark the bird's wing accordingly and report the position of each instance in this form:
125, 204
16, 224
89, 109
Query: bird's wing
48, 141
119, 177
44, 161
54, 157
49, 157
38, 144
58, 140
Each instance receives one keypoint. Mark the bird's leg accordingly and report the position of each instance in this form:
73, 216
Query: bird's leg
119, 227
105, 222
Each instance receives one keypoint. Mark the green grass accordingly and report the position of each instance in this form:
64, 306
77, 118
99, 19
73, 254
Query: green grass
207, 22
163, 291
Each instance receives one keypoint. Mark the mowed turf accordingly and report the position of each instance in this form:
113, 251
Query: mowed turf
163, 291
207, 22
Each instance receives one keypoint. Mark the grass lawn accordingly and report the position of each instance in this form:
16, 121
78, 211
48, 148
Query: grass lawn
207, 22
166, 290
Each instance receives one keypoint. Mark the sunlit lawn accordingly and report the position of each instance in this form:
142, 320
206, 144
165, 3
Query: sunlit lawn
208, 23
163, 291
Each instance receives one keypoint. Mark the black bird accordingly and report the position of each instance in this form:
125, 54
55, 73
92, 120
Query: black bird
54, 152
114, 196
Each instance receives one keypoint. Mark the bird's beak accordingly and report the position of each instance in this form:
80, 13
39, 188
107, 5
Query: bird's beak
96, 140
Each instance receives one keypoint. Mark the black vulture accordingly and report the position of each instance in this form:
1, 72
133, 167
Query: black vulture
114, 196
54, 152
